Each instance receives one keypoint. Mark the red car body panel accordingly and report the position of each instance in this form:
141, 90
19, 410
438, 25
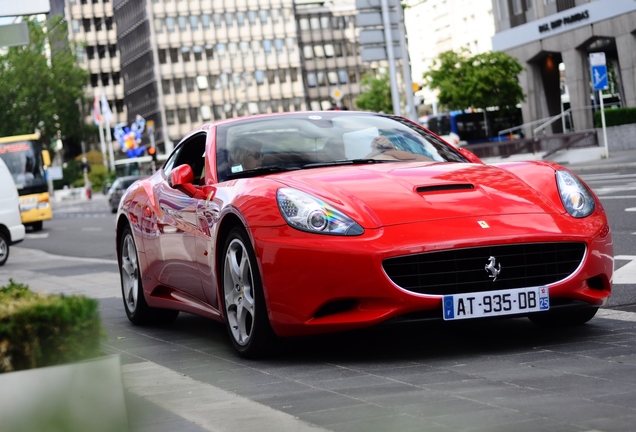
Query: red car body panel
405, 209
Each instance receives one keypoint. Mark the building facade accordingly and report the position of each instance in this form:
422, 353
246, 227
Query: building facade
553, 40
435, 26
180, 63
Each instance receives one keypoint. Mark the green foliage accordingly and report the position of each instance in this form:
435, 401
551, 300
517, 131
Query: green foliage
375, 94
40, 92
39, 330
616, 117
484, 80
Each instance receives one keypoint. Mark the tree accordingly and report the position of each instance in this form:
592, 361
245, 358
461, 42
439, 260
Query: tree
484, 80
44, 92
376, 93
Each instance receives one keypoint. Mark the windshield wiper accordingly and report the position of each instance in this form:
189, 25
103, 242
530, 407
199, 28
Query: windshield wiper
346, 162
260, 171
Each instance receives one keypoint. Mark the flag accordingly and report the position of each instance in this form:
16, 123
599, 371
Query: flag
108, 114
97, 117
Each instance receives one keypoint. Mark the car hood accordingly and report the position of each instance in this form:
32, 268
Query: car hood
387, 194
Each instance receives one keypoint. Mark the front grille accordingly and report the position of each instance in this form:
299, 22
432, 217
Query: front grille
464, 270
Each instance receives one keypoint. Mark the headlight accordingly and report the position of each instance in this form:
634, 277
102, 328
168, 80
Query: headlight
576, 198
308, 213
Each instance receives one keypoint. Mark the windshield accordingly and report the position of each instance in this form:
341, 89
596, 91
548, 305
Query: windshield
25, 164
310, 140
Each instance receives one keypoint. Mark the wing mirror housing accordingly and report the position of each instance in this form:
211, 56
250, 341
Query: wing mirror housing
182, 178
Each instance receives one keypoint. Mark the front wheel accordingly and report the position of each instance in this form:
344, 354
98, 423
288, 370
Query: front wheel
137, 309
563, 318
4, 249
243, 299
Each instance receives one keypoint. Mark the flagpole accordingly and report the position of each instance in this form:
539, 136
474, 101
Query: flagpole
111, 152
103, 145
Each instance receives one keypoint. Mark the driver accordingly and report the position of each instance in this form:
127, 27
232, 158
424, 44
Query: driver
246, 154
383, 149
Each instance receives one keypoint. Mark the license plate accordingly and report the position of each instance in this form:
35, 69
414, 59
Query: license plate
494, 303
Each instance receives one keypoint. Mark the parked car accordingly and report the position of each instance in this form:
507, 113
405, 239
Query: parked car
11, 228
313, 222
118, 188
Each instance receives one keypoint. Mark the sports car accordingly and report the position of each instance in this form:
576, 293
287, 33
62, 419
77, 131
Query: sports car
303, 223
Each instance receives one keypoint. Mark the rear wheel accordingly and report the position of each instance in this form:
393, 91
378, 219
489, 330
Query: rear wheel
243, 299
563, 318
4, 249
137, 309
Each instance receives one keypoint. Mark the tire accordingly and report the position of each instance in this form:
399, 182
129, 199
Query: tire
4, 249
36, 226
137, 310
246, 317
563, 318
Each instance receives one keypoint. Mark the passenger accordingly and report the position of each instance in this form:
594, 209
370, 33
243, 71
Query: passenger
383, 149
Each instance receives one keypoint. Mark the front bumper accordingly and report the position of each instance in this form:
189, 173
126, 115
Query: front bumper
319, 283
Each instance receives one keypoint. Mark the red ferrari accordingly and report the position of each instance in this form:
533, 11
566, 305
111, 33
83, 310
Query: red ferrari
313, 222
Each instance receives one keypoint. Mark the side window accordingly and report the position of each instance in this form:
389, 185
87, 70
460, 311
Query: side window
191, 152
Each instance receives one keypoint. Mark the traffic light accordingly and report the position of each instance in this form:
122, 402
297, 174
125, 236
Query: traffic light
152, 151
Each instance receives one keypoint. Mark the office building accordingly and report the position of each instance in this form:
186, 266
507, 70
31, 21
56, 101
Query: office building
180, 63
553, 40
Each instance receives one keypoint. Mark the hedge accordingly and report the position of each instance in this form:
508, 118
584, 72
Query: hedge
39, 330
616, 117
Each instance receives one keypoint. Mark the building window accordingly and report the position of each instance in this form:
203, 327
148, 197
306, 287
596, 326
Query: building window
324, 22
252, 108
220, 50
116, 77
342, 76
315, 105
189, 83
319, 51
229, 19
332, 77
275, 13
194, 114
158, 25
240, 19
231, 47
320, 77
303, 23
181, 115
165, 86
202, 82
198, 53
267, 46
263, 16
209, 51
75, 24
329, 51
170, 24
170, 117
183, 23
314, 23
244, 47
256, 46
282, 75
311, 79
251, 17
278, 43
194, 22
185, 53
308, 52
271, 76
86, 23
98, 24
205, 21
206, 113
293, 73
109, 23
174, 55
259, 77
218, 20
178, 85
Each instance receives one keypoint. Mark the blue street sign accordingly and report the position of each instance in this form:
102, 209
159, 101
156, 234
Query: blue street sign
599, 77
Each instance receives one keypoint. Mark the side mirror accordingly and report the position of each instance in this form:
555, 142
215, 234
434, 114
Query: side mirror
470, 155
182, 178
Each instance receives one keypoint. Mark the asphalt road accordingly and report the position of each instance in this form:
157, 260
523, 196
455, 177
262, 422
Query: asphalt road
499, 375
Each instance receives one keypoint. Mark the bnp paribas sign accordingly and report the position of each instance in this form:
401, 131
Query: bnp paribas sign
562, 22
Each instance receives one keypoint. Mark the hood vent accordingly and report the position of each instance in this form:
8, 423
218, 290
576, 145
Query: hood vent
443, 188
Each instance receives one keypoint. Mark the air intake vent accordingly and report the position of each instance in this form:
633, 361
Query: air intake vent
439, 188
463, 270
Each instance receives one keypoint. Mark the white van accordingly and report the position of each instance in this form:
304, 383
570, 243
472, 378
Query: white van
11, 229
